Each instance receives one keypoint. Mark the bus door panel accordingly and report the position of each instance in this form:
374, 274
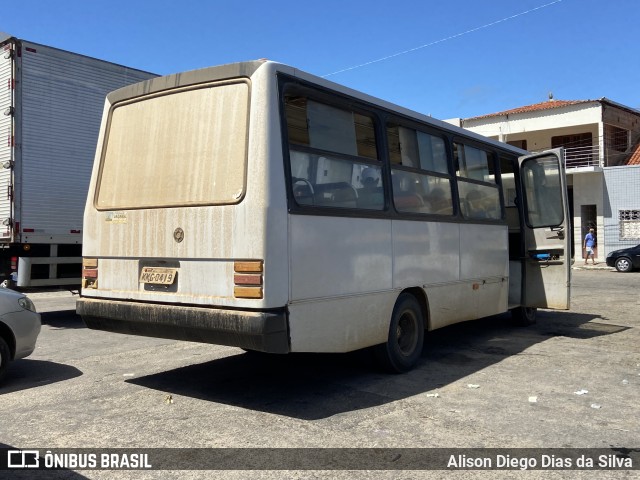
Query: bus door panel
544, 207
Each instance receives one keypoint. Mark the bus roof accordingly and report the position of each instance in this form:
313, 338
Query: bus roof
248, 68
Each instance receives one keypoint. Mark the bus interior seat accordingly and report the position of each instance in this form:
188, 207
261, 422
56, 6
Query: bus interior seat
408, 202
302, 193
338, 194
372, 198
405, 196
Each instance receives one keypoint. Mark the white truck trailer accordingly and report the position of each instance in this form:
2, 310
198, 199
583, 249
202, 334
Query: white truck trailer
51, 104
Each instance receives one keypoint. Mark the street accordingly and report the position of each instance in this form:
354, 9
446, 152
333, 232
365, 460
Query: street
482, 384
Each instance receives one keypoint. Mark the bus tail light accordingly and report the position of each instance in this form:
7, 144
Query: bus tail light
89, 273
248, 279
14, 263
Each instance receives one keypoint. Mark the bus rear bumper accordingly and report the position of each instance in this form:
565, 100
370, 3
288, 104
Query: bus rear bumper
260, 331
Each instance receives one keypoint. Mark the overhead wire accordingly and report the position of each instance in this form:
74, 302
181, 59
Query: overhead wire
451, 37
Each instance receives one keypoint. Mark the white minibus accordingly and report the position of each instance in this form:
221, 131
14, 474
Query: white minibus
258, 206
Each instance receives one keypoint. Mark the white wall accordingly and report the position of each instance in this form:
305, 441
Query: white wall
588, 190
507, 125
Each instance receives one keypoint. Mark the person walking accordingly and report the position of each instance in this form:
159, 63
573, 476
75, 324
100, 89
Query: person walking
589, 245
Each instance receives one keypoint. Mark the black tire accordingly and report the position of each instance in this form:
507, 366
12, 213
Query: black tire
406, 336
523, 316
624, 265
5, 357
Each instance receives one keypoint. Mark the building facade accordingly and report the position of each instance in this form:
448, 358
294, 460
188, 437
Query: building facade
601, 139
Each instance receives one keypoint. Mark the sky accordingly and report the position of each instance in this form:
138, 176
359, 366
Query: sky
448, 59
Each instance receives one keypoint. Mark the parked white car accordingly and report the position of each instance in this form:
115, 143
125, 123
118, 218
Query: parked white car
19, 327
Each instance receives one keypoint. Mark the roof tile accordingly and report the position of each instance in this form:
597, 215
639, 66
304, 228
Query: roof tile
634, 159
548, 105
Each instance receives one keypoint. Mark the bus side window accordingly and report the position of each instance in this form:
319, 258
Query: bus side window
479, 201
330, 148
477, 184
421, 182
371, 193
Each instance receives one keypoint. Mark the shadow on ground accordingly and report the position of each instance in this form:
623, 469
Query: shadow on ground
315, 386
62, 319
26, 373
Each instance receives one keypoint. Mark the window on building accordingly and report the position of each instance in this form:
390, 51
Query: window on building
572, 141
518, 143
629, 224
616, 138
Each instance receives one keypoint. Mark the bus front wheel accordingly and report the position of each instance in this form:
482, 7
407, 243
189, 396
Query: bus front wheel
406, 336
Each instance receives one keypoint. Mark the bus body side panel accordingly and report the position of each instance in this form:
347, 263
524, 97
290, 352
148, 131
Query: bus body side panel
453, 261
341, 282
344, 282
341, 324
484, 268
425, 254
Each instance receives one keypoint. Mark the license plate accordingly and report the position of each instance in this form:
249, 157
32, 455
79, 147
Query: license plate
158, 275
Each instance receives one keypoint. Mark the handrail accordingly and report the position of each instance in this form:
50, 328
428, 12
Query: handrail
580, 157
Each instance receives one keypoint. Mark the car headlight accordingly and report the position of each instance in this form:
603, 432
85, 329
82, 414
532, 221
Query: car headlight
27, 304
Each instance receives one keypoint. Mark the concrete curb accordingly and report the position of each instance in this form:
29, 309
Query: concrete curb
597, 266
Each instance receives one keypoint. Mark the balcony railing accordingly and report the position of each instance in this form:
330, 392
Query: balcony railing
580, 157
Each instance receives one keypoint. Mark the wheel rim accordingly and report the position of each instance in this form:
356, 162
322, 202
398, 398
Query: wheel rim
407, 333
623, 264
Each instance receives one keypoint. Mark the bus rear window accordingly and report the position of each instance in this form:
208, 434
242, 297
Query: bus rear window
187, 147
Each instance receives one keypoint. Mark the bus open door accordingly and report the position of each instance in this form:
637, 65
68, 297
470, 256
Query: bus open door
546, 234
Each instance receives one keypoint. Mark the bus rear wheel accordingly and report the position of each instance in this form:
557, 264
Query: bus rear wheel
406, 336
523, 316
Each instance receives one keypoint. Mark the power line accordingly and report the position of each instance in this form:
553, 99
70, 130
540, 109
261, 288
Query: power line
442, 39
